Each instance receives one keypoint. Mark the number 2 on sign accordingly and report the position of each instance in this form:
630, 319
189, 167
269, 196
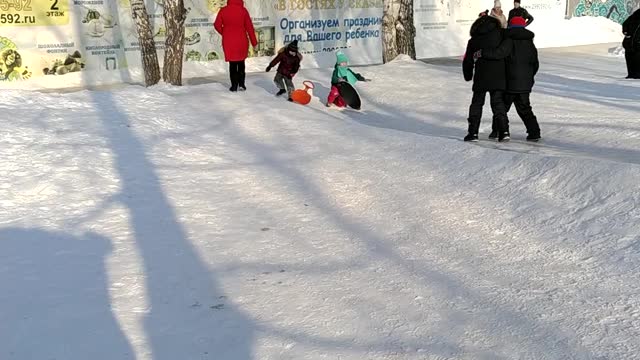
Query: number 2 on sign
54, 7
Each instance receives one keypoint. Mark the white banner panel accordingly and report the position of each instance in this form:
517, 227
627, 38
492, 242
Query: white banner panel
96, 39
324, 26
546, 10
442, 26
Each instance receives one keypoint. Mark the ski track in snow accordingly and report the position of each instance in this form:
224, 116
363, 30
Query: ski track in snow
192, 223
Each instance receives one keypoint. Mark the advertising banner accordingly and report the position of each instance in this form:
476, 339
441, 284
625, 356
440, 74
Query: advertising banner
547, 10
98, 38
442, 26
323, 27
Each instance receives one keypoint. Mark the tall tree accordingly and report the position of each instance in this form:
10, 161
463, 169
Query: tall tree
398, 30
150, 64
174, 17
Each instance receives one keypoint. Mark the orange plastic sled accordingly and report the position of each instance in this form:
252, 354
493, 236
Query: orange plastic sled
303, 96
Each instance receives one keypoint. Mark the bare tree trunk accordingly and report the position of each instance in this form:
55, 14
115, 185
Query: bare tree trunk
147, 45
406, 30
398, 29
389, 43
174, 18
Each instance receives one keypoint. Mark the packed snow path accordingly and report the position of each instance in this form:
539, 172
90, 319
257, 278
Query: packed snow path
192, 223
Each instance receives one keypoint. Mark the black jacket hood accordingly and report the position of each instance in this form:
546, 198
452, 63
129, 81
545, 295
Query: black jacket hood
484, 25
520, 34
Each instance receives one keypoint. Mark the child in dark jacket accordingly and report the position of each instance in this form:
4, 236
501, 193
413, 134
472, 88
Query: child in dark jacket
289, 60
341, 72
631, 44
519, 11
521, 66
488, 77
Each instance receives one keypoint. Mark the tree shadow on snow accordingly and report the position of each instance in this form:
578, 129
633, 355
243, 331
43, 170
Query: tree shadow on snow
321, 91
590, 91
442, 340
394, 118
55, 297
397, 119
190, 317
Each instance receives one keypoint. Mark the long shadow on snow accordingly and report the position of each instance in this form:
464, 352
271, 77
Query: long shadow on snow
55, 294
189, 315
394, 118
270, 87
589, 90
381, 249
592, 126
320, 91
577, 89
267, 156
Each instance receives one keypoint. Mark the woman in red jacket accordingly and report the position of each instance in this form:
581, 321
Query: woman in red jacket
234, 24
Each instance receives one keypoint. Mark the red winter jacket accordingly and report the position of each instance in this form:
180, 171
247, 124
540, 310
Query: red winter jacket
234, 24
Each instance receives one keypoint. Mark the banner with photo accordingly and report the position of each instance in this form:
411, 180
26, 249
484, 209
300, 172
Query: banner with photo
323, 27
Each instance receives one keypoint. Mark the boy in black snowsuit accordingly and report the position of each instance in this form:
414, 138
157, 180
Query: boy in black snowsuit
289, 60
486, 32
519, 11
522, 66
631, 44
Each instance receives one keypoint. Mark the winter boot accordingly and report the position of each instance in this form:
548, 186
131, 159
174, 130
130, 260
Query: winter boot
471, 137
280, 92
504, 136
533, 137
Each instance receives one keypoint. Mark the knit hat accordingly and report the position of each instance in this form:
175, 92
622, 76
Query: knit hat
341, 58
497, 4
484, 13
293, 46
516, 1
518, 21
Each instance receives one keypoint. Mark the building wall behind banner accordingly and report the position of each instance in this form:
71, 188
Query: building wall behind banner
92, 42
443, 26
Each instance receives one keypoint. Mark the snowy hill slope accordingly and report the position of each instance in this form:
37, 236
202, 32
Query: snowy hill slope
192, 223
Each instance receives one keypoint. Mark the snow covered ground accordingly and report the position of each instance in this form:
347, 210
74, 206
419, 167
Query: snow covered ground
192, 223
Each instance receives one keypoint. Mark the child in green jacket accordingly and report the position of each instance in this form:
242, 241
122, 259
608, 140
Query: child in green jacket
341, 73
